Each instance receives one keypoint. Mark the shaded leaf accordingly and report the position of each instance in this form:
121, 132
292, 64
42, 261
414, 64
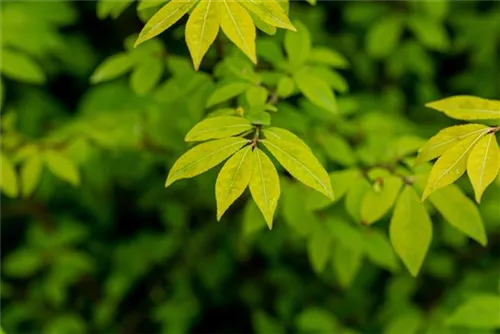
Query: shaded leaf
19, 66
342, 181
218, 127
384, 36
467, 107
62, 167
483, 164
146, 76
31, 171
298, 45
346, 263
315, 90
379, 250
479, 311
376, 204
226, 92
112, 68
270, 12
316, 320
354, 197
430, 33
328, 57
319, 248
203, 157
9, 183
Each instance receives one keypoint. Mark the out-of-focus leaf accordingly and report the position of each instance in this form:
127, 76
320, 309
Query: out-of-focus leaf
31, 171
298, 45
383, 37
376, 204
9, 180
146, 76
62, 167
316, 320
22, 263
328, 57
316, 90
18, 66
112, 68
226, 92
346, 263
319, 248
479, 311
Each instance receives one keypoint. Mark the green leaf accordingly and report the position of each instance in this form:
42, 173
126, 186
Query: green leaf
62, 167
258, 115
451, 165
301, 164
18, 66
201, 29
407, 322
164, 19
329, 57
346, 263
203, 157
298, 45
315, 90
460, 211
233, 178
238, 26
285, 87
376, 204
218, 127
483, 164
384, 36
270, 12
226, 92
261, 25
337, 148
479, 311
285, 135
9, 181
22, 263
253, 221
316, 320
263, 324
146, 76
354, 197
410, 230
112, 68
345, 233
430, 33
31, 171
342, 181
265, 185
379, 250
256, 96
294, 212
446, 139
319, 248
467, 107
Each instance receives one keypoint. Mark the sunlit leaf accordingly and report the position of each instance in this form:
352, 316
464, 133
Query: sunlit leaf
410, 230
283, 134
164, 19
483, 164
264, 185
301, 164
201, 29
270, 12
62, 167
467, 107
218, 127
203, 157
376, 204
446, 139
233, 178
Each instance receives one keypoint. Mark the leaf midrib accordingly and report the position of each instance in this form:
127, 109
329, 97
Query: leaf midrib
242, 38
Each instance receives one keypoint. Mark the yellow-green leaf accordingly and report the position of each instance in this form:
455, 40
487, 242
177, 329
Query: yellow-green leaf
203, 157
62, 167
164, 19
460, 211
270, 12
233, 179
238, 26
451, 165
301, 164
467, 107
446, 138
218, 127
282, 134
31, 171
201, 29
146, 75
298, 45
9, 177
376, 204
19, 66
226, 92
479, 312
265, 185
483, 164
410, 230
315, 90
112, 68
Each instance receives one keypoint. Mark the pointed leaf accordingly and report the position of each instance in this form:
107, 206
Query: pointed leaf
201, 29
9, 177
264, 185
460, 211
376, 204
283, 134
238, 26
380, 251
112, 68
467, 107
479, 311
483, 164
298, 45
319, 248
30, 174
346, 263
446, 139
19, 66
354, 197
384, 36
451, 165
146, 76
203, 157
233, 179
329, 57
164, 19
342, 181
270, 12
301, 164
62, 167
315, 90
226, 92
410, 230
218, 127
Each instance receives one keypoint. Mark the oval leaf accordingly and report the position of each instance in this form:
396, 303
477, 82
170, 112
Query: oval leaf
226, 92
233, 179
298, 45
203, 157
319, 248
19, 66
201, 29
451, 165
238, 26
301, 164
483, 164
62, 167
164, 19
315, 90
264, 185
218, 127
346, 263
9, 177
376, 204
112, 68
447, 138
282, 134
146, 75
467, 107
410, 230
30, 174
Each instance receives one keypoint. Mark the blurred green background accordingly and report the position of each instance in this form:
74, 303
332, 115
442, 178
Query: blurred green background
120, 254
